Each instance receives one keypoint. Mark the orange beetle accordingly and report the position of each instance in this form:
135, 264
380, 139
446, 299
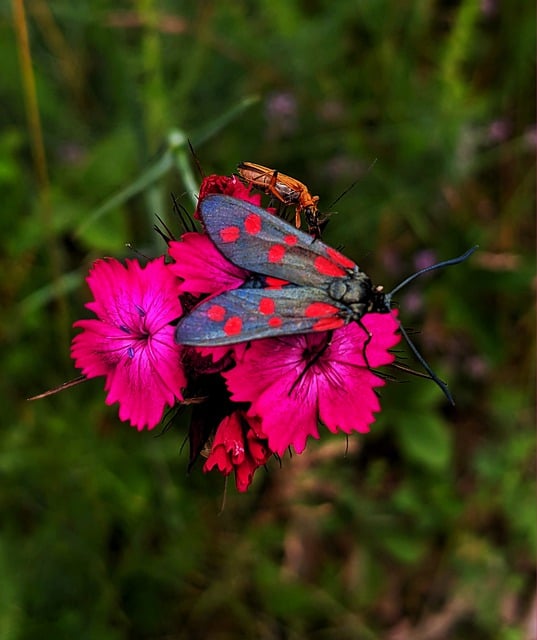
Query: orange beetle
288, 190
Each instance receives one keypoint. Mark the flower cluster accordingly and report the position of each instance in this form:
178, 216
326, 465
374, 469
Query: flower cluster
250, 400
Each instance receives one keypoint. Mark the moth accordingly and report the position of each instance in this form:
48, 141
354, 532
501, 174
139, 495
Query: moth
298, 284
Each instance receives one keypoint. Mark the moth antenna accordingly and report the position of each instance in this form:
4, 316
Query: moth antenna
439, 265
427, 368
413, 348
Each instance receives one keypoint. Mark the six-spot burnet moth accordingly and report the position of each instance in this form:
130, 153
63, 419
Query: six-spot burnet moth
317, 288
288, 190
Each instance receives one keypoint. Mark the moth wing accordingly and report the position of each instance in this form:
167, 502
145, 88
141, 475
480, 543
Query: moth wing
248, 314
260, 242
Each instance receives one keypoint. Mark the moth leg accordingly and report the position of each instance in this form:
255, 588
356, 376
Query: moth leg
366, 343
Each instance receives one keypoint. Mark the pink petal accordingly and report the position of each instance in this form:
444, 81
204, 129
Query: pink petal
384, 328
233, 450
244, 474
289, 389
265, 378
122, 292
350, 407
228, 185
203, 269
132, 342
138, 387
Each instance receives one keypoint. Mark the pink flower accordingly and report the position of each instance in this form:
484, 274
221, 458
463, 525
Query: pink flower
197, 261
294, 381
131, 342
238, 446
228, 185
203, 269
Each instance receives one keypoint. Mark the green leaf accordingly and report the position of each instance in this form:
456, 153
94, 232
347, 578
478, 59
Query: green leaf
425, 440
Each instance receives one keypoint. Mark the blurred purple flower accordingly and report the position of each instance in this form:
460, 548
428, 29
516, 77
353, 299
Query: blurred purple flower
499, 130
412, 302
71, 153
476, 367
281, 113
489, 8
424, 259
343, 167
391, 261
332, 111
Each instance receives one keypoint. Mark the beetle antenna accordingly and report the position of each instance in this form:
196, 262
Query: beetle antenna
352, 185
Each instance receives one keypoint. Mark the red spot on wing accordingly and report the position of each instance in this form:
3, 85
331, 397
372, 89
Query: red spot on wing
252, 223
276, 253
320, 309
340, 258
275, 322
233, 326
266, 306
328, 268
216, 313
327, 324
290, 240
230, 234
275, 283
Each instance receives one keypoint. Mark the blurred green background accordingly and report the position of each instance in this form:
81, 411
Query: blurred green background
425, 528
